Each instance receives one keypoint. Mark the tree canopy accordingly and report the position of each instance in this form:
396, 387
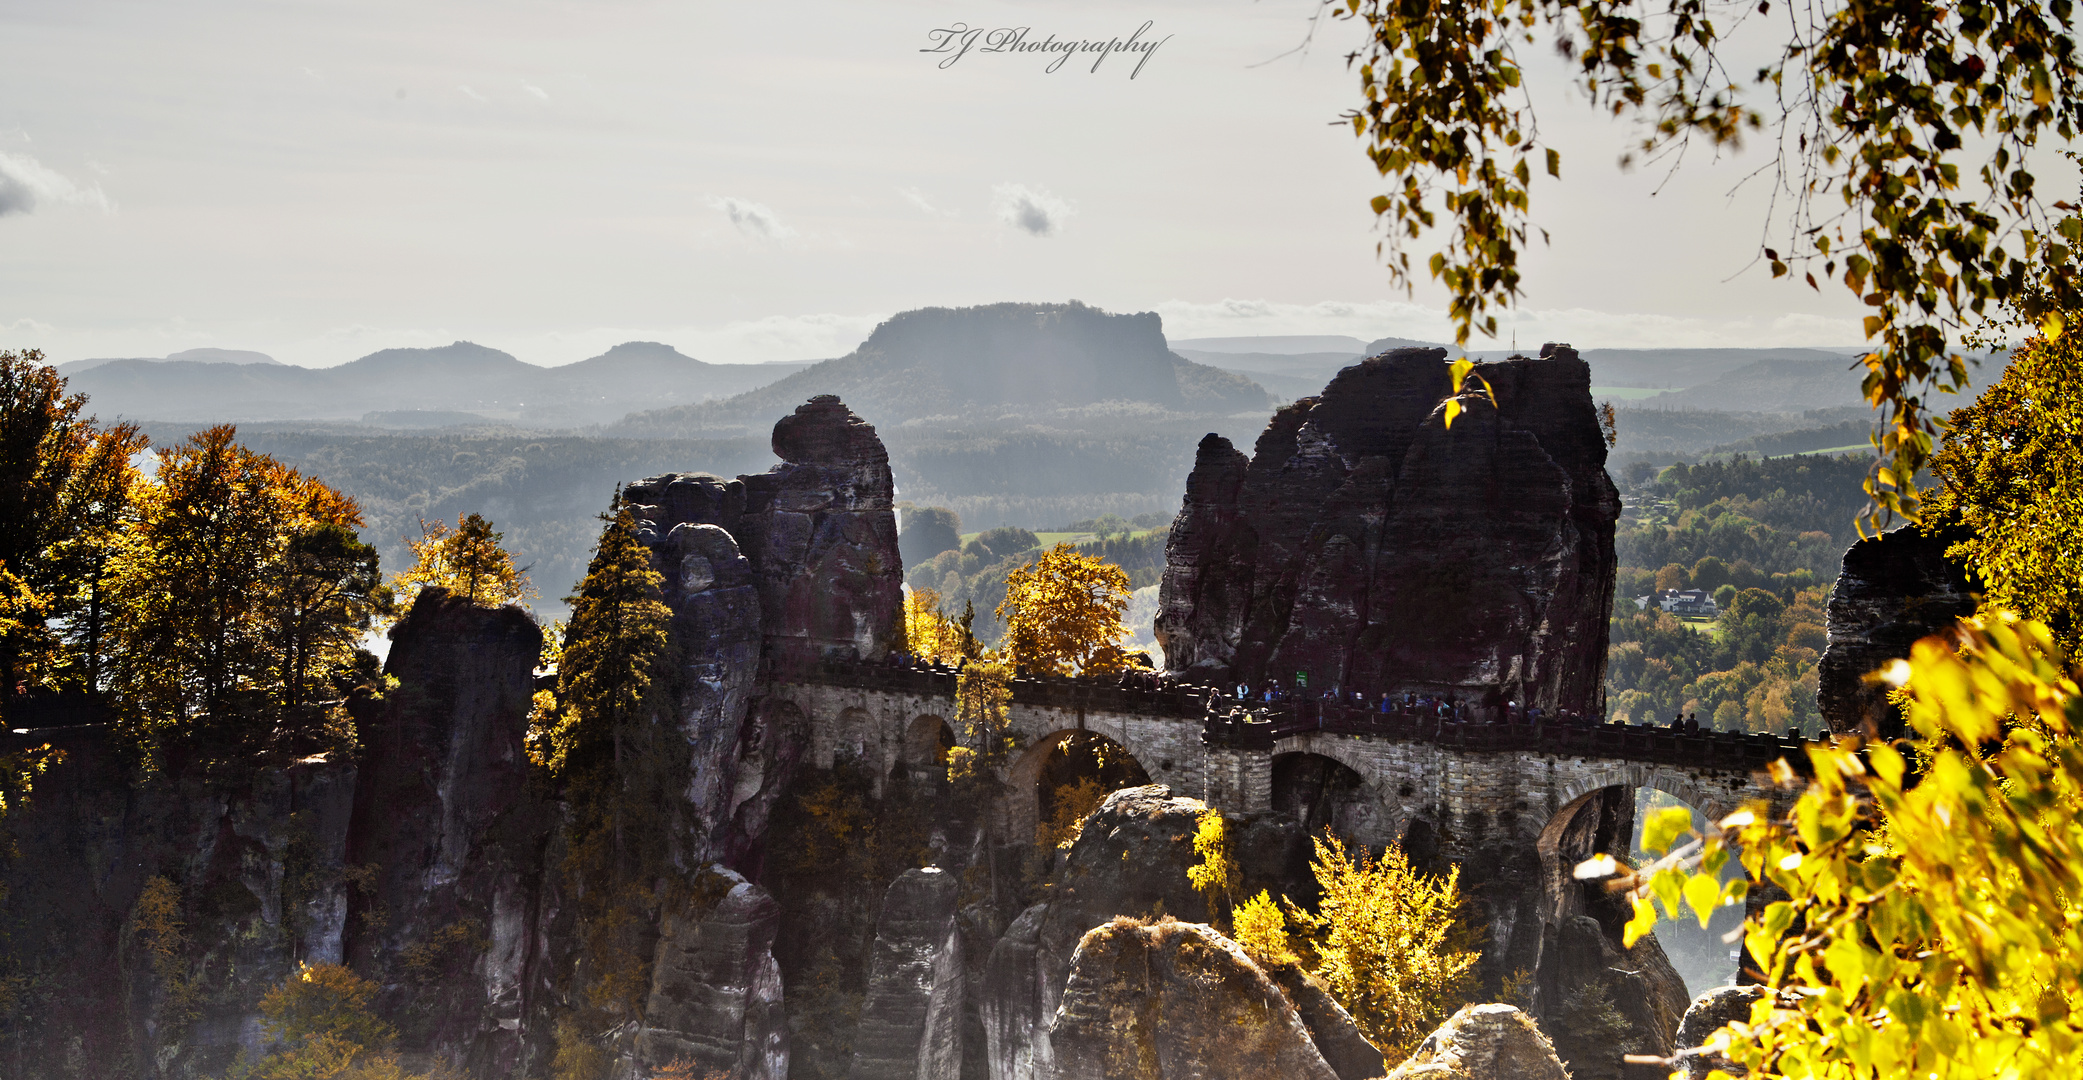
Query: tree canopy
467, 560
613, 642
1930, 925
1063, 613
238, 594
928, 531
2011, 482
1873, 108
65, 491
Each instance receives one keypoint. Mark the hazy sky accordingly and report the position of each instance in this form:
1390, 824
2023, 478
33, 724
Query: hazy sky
747, 181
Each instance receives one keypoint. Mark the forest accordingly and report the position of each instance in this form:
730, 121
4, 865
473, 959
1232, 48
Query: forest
1765, 537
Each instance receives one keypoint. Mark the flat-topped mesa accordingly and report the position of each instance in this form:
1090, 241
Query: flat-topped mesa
818, 532
1366, 547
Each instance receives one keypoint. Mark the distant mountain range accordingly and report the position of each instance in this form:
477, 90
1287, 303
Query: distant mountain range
484, 384
199, 356
991, 366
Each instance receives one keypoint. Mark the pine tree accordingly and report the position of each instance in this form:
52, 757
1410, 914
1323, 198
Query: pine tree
613, 641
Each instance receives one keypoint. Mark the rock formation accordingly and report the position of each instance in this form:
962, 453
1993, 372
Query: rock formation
818, 532
716, 994
1603, 998
780, 568
1331, 1028
153, 915
1709, 1013
1894, 589
1484, 1042
1130, 859
911, 1024
444, 816
1366, 546
1176, 1000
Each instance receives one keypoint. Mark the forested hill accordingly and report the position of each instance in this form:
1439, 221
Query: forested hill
1059, 365
483, 383
1766, 539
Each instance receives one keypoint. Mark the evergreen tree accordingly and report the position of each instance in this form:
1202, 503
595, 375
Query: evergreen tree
613, 642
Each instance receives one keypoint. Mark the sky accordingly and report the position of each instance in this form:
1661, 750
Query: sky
317, 180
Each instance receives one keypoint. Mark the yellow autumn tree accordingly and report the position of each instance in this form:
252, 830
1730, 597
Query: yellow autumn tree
2012, 484
467, 560
325, 1021
237, 595
1932, 920
1386, 939
928, 631
1063, 614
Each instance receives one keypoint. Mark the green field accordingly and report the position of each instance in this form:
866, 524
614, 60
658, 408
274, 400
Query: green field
1051, 539
1625, 393
1831, 450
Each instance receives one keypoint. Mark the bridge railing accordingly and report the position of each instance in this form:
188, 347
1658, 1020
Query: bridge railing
1263, 726
1256, 725
1170, 700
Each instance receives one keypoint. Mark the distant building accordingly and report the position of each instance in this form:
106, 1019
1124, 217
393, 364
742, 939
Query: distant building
1688, 602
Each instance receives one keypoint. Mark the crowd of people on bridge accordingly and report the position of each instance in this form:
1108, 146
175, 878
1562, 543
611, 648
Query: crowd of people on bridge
1224, 701
1409, 704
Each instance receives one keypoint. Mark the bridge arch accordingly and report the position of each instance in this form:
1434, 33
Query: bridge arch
927, 740
1340, 750
1041, 771
1608, 818
1678, 784
1321, 793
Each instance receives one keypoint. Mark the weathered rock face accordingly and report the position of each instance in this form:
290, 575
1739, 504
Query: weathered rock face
1601, 998
1130, 859
780, 568
444, 816
1895, 588
1366, 544
1484, 1042
1331, 1028
716, 996
1173, 999
911, 1024
818, 530
248, 867
1709, 1013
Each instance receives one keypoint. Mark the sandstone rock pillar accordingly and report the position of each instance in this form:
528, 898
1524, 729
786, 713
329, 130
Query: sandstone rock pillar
715, 987
443, 811
911, 1024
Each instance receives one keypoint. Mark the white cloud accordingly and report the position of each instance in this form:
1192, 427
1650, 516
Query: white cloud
915, 198
25, 184
1033, 211
471, 94
751, 217
538, 91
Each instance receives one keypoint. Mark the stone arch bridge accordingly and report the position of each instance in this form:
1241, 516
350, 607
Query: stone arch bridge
1462, 787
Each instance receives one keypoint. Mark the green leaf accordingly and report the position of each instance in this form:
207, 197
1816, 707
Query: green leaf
1554, 164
